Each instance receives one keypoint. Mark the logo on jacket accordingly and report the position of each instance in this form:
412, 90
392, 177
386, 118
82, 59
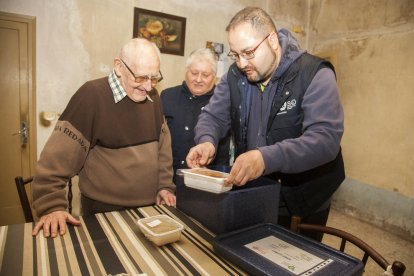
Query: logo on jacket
288, 105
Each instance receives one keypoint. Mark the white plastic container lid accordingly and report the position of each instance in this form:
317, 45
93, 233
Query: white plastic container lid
160, 229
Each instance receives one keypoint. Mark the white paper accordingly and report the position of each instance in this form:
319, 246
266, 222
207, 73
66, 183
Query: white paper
285, 255
154, 223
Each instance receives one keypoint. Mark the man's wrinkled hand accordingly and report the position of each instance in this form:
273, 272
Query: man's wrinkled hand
200, 155
247, 166
166, 197
53, 223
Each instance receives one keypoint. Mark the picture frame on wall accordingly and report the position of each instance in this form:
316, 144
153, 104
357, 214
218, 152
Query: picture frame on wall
165, 30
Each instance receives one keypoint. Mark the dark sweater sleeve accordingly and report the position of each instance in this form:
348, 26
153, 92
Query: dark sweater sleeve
214, 121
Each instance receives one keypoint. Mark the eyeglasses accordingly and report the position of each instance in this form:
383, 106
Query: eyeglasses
248, 54
141, 79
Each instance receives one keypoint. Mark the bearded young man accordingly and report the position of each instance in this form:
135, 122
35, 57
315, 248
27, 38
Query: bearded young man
283, 107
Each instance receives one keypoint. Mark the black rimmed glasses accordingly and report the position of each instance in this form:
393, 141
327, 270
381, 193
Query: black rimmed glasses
248, 54
141, 79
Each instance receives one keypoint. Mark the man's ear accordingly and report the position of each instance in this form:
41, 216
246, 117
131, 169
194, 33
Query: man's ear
274, 40
117, 67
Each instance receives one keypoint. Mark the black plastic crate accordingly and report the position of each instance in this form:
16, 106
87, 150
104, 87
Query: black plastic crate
256, 202
289, 249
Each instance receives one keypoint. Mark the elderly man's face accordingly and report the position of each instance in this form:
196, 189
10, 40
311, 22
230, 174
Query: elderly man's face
136, 75
200, 77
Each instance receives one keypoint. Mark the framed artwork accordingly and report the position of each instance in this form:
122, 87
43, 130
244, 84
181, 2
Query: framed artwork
165, 30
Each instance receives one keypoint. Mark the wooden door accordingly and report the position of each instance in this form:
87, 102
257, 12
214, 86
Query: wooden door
17, 110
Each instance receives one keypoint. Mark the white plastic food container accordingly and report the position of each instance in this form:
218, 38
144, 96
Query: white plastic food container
160, 229
206, 180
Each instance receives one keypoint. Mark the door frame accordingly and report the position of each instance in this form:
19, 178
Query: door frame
30, 21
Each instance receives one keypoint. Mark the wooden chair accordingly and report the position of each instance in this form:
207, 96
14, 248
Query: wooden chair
24, 200
398, 268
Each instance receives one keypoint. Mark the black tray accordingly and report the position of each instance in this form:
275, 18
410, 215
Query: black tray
232, 247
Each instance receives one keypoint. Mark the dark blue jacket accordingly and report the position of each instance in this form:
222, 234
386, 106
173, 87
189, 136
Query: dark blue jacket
302, 192
298, 129
181, 110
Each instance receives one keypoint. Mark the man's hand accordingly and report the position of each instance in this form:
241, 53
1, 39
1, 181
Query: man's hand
54, 222
200, 155
247, 166
166, 197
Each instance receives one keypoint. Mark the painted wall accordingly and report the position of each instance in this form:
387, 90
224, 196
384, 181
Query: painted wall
372, 42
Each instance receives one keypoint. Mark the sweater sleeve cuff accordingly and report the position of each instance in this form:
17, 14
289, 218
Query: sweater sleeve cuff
171, 189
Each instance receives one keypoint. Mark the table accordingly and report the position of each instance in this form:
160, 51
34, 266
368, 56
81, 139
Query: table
111, 244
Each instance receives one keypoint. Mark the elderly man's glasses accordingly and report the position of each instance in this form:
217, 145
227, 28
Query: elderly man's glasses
141, 79
248, 54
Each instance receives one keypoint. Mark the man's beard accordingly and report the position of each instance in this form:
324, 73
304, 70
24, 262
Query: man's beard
251, 74
255, 76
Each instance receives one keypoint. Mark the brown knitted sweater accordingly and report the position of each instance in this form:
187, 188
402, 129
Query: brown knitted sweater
121, 151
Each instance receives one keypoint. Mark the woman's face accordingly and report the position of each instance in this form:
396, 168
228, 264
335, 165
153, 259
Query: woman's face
200, 77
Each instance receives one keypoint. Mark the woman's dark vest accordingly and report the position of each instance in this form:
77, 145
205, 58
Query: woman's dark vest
303, 192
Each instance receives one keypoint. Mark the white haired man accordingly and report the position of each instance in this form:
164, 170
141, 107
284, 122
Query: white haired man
114, 136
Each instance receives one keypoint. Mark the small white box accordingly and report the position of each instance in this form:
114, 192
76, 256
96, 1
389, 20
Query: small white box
160, 229
206, 180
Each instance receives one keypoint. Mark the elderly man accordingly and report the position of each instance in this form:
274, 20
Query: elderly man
283, 107
183, 103
113, 135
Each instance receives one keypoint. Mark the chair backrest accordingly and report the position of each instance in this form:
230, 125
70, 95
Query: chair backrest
398, 268
24, 200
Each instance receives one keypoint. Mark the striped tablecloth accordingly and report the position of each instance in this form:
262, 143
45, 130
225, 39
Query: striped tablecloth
111, 244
